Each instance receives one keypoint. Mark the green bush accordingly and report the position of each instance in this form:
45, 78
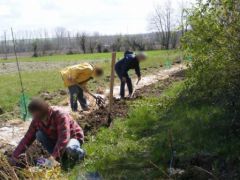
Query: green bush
214, 42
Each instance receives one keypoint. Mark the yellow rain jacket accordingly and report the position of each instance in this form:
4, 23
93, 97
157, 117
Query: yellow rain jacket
79, 74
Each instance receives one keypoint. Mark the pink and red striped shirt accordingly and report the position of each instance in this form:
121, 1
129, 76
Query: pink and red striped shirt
60, 127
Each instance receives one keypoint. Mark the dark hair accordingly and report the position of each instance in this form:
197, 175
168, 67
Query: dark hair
37, 105
98, 71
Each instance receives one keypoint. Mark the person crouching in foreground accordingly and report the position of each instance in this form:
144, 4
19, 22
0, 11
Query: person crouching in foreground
76, 78
58, 133
130, 61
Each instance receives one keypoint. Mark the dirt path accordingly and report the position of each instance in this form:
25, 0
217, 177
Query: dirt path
12, 132
151, 79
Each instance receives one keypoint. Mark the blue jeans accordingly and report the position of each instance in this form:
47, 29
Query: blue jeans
73, 149
76, 94
128, 81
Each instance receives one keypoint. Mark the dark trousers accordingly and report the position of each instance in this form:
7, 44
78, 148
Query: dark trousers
128, 81
73, 151
76, 94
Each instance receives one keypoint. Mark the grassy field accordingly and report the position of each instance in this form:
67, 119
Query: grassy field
76, 57
36, 82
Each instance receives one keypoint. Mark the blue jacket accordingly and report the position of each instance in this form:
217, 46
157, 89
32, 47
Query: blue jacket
127, 63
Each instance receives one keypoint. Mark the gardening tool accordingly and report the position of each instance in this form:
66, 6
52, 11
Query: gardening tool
99, 100
135, 88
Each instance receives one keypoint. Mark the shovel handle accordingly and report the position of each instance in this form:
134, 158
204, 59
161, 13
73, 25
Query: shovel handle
138, 81
95, 97
87, 92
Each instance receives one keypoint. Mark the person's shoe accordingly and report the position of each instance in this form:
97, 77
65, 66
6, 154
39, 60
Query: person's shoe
74, 110
82, 155
128, 97
85, 109
118, 98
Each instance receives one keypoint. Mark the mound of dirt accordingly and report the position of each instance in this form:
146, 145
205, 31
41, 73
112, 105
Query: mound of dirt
99, 117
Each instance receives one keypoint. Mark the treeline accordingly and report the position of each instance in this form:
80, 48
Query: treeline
166, 25
65, 42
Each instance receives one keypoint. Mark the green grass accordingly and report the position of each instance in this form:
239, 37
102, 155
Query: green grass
35, 82
55, 58
138, 147
75, 57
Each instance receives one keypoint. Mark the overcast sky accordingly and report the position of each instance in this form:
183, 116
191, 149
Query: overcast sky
104, 16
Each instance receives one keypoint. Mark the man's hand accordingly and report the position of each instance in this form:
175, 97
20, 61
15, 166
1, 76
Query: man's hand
124, 79
53, 161
12, 161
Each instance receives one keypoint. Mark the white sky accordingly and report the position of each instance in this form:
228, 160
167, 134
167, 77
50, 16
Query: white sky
103, 16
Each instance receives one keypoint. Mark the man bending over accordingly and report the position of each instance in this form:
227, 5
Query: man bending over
75, 78
130, 61
58, 133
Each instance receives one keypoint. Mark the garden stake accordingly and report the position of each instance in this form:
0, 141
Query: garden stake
111, 89
25, 113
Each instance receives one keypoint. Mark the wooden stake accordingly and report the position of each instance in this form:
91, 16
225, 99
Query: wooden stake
111, 84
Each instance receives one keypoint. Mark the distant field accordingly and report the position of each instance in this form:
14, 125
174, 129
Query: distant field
50, 80
75, 57
63, 57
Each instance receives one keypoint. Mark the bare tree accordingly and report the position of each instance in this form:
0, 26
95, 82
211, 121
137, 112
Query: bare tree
35, 48
70, 43
82, 41
117, 44
99, 47
174, 39
99, 43
46, 44
41, 42
6, 49
135, 42
60, 34
183, 18
161, 22
92, 44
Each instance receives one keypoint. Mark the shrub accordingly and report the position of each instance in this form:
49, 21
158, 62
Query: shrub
213, 41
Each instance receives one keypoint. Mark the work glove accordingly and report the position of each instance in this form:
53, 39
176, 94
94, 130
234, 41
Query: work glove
49, 163
12, 161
